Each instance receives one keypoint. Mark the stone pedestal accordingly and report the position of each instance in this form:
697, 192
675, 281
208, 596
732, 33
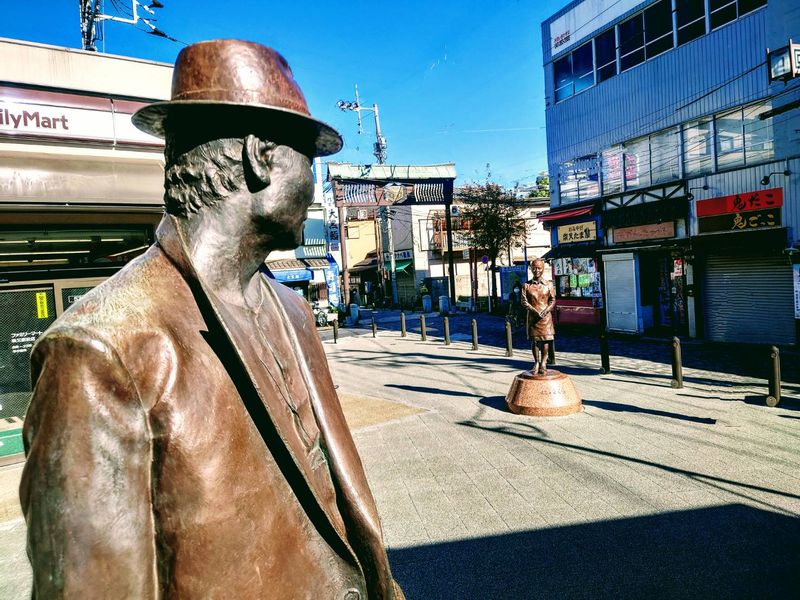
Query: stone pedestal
551, 395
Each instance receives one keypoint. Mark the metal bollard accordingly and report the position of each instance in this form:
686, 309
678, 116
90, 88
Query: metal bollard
551, 356
402, 324
605, 359
336, 331
677, 366
509, 340
474, 334
374, 328
447, 331
774, 378
423, 330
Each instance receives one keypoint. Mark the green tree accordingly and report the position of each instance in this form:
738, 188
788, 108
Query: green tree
542, 186
495, 222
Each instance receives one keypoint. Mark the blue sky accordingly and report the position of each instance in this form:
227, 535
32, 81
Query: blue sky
455, 81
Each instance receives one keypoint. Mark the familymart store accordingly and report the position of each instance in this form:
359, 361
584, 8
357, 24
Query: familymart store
80, 193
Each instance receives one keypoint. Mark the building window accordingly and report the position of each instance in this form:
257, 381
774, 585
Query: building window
665, 156
691, 19
730, 146
746, 6
612, 169
698, 150
637, 163
583, 67
605, 50
631, 42
574, 72
658, 28
579, 179
353, 233
562, 74
759, 143
721, 12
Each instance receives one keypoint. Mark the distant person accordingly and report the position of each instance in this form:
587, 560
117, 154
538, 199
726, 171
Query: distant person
538, 298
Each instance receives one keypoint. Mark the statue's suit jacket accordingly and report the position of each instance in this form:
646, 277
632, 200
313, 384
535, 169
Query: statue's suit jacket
176, 451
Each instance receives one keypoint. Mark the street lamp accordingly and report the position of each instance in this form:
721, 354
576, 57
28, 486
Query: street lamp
379, 147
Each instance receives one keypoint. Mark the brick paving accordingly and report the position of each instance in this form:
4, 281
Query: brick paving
649, 492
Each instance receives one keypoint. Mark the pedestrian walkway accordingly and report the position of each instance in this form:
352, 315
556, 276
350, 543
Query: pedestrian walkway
649, 492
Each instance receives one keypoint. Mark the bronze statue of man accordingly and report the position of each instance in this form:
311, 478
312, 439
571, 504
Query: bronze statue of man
184, 439
538, 298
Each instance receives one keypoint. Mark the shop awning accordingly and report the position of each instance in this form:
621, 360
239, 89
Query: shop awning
744, 242
572, 251
402, 265
565, 214
289, 269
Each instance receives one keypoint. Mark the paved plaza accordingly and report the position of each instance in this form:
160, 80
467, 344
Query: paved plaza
650, 492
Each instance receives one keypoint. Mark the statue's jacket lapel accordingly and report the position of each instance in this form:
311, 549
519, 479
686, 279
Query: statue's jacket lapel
301, 456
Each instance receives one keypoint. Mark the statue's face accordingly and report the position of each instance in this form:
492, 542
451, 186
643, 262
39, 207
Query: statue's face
281, 209
537, 267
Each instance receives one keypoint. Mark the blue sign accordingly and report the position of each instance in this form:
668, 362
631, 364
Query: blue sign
293, 275
332, 280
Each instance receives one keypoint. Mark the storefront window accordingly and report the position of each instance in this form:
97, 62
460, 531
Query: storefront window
612, 169
576, 278
759, 144
698, 151
658, 28
691, 19
637, 163
665, 155
730, 147
605, 48
66, 247
631, 42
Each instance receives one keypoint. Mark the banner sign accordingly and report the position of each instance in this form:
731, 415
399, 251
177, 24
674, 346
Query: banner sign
796, 271
585, 231
740, 221
758, 200
332, 281
653, 231
399, 255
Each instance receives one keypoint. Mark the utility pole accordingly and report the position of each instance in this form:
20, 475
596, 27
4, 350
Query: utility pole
91, 12
379, 147
385, 220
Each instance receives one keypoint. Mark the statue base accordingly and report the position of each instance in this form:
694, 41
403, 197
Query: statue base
551, 395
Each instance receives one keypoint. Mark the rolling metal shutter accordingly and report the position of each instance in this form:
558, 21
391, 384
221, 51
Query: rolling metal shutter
748, 299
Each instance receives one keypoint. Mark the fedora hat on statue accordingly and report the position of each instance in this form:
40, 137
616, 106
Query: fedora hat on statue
233, 87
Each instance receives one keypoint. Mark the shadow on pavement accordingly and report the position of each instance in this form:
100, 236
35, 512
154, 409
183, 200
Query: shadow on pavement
619, 407
428, 390
787, 403
731, 551
495, 402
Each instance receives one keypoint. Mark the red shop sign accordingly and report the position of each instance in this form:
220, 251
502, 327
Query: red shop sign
758, 200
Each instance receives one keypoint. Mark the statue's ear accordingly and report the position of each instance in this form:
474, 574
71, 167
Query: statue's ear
255, 158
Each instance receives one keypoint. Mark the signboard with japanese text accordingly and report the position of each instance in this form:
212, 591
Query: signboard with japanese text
740, 221
758, 200
586, 231
399, 255
653, 231
796, 272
